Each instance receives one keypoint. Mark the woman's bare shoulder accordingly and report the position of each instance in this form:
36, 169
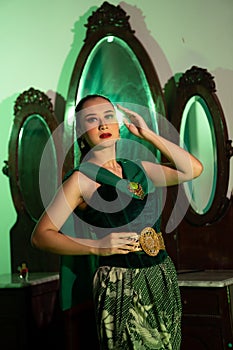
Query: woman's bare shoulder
82, 184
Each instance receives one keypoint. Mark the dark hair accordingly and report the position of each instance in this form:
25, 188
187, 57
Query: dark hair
83, 145
81, 103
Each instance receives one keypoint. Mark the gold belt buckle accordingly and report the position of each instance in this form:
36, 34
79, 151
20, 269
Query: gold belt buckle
150, 241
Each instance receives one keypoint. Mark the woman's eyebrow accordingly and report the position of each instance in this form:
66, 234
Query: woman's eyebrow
94, 114
90, 115
109, 111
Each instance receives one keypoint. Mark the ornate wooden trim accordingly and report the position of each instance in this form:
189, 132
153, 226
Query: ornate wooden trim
198, 81
32, 96
107, 15
197, 75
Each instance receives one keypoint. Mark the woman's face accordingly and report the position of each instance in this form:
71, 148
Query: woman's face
98, 122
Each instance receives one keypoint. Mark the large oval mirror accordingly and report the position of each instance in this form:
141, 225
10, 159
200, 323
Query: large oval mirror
114, 63
198, 117
113, 69
32, 131
32, 139
124, 83
34, 135
198, 135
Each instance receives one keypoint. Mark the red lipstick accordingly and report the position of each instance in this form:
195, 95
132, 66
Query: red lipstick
105, 135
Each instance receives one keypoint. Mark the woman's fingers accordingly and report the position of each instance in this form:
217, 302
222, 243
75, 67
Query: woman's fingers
130, 114
126, 238
134, 122
119, 239
118, 243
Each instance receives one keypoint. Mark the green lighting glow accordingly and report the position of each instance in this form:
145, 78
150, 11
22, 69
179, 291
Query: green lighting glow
113, 70
197, 133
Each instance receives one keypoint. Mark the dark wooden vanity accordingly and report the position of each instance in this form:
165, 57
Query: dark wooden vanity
207, 301
29, 312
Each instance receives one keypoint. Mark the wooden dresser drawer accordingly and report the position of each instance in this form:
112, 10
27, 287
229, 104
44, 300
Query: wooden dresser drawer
199, 301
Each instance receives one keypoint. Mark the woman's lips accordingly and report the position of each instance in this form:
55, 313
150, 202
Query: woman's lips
105, 135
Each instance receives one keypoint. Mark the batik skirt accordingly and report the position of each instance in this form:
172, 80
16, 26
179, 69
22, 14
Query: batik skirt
138, 308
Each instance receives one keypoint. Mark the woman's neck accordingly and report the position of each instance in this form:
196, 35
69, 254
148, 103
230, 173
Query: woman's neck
106, 158
102, 155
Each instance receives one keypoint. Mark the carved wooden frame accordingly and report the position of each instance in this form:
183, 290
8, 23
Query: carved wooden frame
198, 81
110, 20
31, 101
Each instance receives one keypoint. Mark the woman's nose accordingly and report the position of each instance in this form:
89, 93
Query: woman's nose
102, 125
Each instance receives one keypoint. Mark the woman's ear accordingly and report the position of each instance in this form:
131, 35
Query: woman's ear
82, 144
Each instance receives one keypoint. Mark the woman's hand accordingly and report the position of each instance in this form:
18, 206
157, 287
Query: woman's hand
113, 243
117, 243
134, 122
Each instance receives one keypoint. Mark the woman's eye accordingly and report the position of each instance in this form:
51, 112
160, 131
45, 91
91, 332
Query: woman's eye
91, 120
109, 116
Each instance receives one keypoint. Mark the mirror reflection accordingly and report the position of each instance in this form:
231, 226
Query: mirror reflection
198, 117
34, 135
197, 133
112, 69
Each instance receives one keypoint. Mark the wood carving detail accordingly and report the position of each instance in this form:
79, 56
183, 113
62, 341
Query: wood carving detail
32, 96
196, 75
105, 16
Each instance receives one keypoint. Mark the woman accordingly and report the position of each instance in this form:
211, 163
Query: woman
135, 290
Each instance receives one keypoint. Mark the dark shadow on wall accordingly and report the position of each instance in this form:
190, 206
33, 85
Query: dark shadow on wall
159, 60
170, 91
79, 31
60, 104
224, 83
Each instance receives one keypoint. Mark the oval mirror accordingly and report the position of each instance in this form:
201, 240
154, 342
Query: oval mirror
198, 135
114, 63
33, 139
34, 135
126, 84
198, 117
32, 131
